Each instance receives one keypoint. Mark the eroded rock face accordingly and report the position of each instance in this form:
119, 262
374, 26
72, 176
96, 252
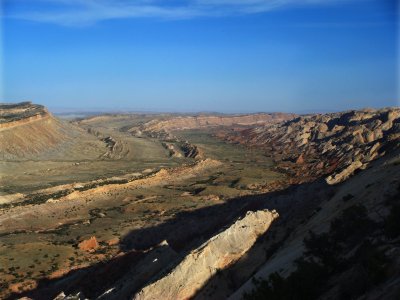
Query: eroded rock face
217, 253
27, 129
334, 144
20, 113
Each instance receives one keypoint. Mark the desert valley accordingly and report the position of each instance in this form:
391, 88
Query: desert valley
199, 206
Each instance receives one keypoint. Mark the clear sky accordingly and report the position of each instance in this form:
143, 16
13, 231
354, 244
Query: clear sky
201, 55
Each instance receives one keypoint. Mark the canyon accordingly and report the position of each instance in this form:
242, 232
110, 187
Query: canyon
202, 206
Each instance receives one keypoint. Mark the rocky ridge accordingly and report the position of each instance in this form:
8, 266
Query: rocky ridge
191, 122
333, 145
204, 262
359, 217
20, 113
163, 129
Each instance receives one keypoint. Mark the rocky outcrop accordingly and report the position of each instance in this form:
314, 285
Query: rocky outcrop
336, 144
181, 149
12, 114
373, 193
216, 254
89, 244
173, 151
344, 174
189, 150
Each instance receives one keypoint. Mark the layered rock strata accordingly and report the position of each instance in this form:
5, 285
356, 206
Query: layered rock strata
334, 144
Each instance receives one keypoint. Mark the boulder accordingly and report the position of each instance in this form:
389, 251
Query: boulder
89, 244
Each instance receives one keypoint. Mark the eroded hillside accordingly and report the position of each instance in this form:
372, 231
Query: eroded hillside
332, 144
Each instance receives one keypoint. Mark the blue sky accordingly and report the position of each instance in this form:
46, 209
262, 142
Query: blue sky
201, 55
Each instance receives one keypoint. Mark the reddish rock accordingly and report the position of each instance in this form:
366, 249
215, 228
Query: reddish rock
89, 244
300, 160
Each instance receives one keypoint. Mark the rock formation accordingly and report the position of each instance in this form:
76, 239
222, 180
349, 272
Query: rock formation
344, 174
12, 115
216, 254
27, 128
333, 144
89, 244
373, 193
